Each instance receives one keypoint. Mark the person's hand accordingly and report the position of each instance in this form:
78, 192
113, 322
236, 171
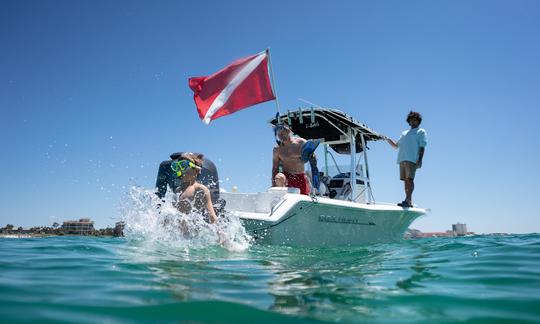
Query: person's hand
418, 164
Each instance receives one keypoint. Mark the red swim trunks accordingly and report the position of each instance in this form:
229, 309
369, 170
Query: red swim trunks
299, 181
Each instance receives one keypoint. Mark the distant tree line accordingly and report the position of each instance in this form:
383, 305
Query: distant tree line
56, 229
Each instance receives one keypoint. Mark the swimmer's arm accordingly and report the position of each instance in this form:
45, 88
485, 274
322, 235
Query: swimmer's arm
209, 205
275, 165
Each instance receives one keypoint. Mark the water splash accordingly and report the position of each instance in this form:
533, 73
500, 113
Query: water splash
150, 220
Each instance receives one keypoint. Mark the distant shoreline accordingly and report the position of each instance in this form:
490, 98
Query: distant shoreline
2, 235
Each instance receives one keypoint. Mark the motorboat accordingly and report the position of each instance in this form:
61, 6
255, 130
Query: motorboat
343, 210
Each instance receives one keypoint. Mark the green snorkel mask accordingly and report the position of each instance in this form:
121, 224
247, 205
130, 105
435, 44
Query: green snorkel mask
181, 166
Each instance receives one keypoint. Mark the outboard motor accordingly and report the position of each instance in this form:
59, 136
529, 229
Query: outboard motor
166, 178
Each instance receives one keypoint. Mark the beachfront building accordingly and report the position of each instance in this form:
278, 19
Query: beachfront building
119, 228
84, 226
459, 229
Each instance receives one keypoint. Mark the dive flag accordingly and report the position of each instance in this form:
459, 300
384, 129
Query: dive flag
241, 84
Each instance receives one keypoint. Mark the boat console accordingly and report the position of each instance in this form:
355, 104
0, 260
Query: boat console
339, 187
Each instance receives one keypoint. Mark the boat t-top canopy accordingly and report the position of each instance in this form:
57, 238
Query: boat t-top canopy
330, 126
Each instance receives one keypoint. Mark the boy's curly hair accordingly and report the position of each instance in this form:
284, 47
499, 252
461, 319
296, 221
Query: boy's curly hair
196, 158
414, 114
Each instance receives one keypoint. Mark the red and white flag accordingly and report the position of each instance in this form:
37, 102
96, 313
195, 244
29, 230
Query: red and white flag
241, 84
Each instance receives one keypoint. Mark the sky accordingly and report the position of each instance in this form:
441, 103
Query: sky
94, 95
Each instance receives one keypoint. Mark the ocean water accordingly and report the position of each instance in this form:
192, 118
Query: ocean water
123, 280
173, 267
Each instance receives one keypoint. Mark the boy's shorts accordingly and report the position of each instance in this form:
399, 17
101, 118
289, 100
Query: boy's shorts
407, 170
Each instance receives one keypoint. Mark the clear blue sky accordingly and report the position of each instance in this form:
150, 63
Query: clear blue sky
94, 95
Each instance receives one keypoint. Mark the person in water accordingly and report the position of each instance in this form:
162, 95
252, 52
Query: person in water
192, 194
411, 146
288, 155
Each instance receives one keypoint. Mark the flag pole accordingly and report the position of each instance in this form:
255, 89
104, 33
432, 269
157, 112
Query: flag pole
272, 78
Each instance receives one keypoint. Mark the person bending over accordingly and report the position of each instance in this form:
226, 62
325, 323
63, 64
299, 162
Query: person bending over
288, 155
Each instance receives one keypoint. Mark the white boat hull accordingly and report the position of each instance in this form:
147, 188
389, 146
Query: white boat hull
299, 220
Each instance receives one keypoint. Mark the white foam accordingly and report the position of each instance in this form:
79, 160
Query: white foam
151, 220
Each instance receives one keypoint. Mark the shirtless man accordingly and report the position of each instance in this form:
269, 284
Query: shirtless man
287, 154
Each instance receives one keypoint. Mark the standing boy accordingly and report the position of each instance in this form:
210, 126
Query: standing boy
411, 146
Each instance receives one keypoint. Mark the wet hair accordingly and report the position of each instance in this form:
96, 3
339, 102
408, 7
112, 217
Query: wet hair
414, 114
285, 126
196, 158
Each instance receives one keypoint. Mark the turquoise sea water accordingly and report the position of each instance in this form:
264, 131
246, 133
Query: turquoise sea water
92, 279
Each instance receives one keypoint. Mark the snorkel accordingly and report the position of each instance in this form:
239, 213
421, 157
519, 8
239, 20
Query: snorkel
278, 127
